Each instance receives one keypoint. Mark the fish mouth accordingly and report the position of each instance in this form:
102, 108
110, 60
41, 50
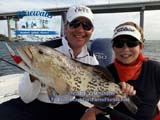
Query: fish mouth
26, 55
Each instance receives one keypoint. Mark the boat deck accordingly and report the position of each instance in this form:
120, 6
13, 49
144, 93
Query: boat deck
9, 87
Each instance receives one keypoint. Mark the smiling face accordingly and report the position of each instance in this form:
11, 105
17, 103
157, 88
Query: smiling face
125, 54
77, 37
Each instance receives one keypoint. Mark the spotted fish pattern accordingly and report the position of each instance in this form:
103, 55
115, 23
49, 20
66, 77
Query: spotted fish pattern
67, 76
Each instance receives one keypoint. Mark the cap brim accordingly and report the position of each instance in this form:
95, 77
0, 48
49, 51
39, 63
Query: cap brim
131, 31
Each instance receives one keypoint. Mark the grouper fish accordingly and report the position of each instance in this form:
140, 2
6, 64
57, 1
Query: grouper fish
66, 75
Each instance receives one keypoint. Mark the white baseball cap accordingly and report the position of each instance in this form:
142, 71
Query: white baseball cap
79, 11
127, 30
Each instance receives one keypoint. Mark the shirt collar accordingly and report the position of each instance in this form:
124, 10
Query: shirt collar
84, 52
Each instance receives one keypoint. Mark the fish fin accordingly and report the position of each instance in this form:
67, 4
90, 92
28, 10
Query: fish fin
51, 93
131, 106
104, 72
15, 57
135, 99
61, 87
133, 103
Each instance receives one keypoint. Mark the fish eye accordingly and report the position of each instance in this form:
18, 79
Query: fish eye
40, 52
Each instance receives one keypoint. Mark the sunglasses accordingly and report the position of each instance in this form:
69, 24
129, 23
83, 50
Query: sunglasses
129, 43
85, 25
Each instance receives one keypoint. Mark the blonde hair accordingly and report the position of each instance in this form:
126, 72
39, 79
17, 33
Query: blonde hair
134, 25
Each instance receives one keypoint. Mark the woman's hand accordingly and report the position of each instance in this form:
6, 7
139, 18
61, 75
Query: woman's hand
127, 89
33, 78
91, 113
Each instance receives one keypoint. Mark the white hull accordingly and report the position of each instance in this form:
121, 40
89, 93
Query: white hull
9, 86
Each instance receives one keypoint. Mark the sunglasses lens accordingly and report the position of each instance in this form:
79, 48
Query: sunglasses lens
118, 44
129, 43
86, 25
74, 24
132, 43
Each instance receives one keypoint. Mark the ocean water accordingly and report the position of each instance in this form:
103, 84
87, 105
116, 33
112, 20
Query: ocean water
152, 50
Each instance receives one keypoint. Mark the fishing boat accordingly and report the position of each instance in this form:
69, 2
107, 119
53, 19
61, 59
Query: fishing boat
9, 83
9, 86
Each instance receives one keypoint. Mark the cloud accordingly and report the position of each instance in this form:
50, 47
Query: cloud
16, 5
152, 25
110, 21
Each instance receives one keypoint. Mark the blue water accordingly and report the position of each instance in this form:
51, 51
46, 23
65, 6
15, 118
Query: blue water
152, 49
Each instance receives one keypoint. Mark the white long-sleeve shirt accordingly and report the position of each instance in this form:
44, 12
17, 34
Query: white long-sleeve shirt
30, 91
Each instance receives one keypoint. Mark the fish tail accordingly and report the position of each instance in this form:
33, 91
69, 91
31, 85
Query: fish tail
51, 94
133, 103
131, 106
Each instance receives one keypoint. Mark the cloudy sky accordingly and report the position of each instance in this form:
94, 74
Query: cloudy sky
14, 5
151, 18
